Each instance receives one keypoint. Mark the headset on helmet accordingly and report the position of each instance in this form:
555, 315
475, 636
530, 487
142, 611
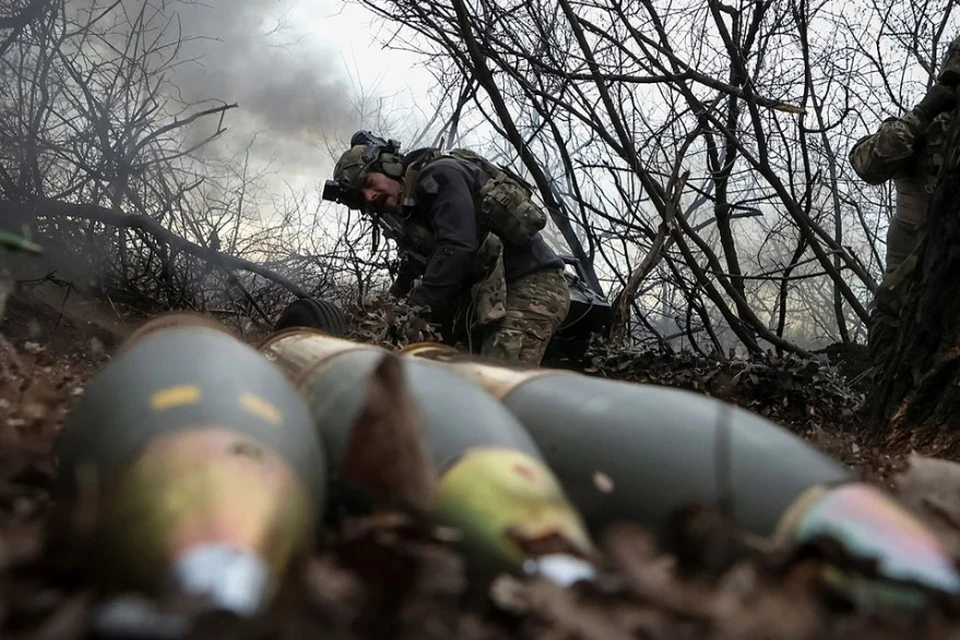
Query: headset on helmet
377, 151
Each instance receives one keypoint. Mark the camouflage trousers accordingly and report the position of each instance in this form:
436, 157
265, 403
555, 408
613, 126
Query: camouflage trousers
536, 305
904, 238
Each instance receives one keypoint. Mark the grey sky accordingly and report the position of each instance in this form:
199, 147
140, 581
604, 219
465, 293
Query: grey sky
295, 67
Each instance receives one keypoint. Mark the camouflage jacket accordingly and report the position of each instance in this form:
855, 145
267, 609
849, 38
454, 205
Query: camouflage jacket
900, 151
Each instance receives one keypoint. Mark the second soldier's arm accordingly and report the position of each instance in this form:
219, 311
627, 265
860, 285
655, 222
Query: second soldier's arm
880, 156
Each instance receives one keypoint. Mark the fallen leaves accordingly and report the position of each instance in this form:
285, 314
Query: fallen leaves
390, 323
787, 389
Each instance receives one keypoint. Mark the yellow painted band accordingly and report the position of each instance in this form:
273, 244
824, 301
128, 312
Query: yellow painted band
175, 397
252, 403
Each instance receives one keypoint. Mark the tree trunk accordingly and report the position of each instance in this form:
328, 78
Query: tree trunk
917, 398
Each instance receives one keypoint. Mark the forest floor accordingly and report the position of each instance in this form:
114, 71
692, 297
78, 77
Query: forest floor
380, 579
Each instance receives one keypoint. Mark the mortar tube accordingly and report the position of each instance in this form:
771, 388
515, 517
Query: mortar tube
203, 462
493, 486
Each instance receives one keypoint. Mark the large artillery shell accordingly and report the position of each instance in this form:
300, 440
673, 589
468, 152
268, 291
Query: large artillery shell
492, 485
203, 461
639, 452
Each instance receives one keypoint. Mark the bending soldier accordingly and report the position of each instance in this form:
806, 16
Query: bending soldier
910, 151
487, 264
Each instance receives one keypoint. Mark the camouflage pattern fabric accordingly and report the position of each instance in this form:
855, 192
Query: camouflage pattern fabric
489, 294
900, 151
505, 201
350, 166
536, 304
882, 155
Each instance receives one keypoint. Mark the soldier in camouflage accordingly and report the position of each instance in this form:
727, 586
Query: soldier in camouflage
514, 293
910, 151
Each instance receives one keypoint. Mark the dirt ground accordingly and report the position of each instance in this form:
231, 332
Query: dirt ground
389, 578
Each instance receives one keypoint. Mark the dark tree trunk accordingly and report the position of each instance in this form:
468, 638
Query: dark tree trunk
917, 398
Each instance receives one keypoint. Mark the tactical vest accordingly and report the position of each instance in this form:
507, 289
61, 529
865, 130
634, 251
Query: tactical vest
504, 202
487, 297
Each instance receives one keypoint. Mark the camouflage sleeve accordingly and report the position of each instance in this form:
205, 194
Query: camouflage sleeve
879, 156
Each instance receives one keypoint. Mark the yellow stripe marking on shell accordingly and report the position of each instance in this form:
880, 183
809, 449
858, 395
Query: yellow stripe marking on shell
252, 403
175, 397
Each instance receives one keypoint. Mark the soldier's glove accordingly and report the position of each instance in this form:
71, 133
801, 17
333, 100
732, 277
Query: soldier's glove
939, 98
422, 312
407, 276
415, 294
950, 69
398, 289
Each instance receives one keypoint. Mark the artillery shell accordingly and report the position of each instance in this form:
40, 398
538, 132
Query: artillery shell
637, 452
492, 483
641, 452
868, 524
203, 461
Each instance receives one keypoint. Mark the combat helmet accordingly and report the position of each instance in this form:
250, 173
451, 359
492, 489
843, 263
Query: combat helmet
367, 153
351, 168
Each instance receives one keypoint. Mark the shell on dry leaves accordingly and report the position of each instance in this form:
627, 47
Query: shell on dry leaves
382, 577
